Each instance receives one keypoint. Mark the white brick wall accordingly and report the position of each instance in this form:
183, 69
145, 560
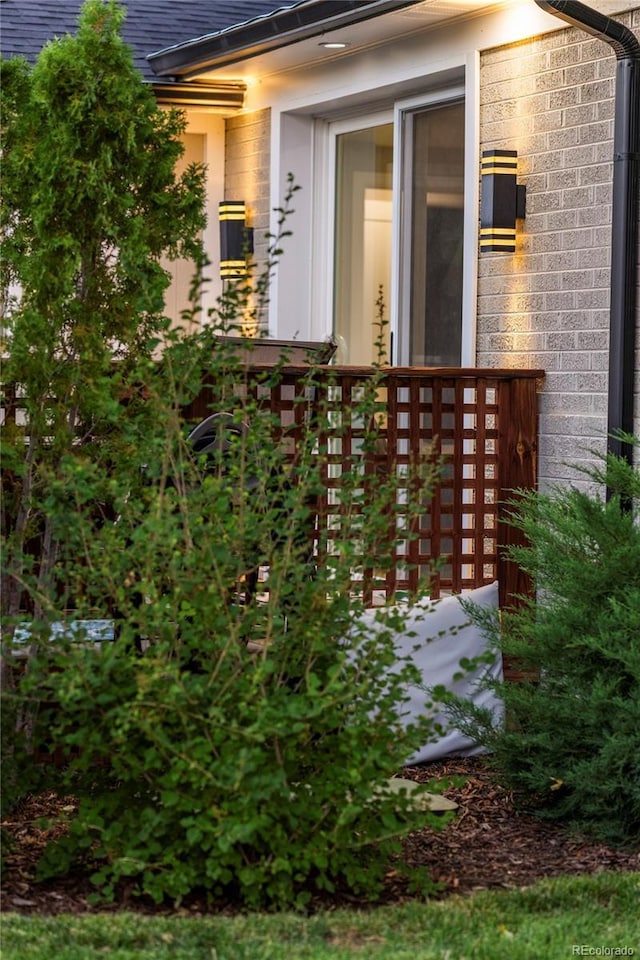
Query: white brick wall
247, 153
551, 99
247, 160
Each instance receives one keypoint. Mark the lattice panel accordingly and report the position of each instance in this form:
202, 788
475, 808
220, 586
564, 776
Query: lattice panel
483, 424
457, 420
432, 416
453, 545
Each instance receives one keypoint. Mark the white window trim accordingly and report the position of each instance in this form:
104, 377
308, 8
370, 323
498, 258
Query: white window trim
471, 209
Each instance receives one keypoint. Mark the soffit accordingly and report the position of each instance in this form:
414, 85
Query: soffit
388, 26
418, 16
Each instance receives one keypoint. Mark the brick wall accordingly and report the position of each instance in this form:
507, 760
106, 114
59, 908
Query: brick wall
247, 159
552, 99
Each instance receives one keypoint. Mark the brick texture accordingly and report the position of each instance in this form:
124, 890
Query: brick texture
247, 160
551, 98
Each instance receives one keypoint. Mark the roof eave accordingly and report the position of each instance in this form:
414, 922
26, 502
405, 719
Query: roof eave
264, 34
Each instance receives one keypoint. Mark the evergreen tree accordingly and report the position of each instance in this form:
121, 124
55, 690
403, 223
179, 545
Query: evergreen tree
90, 203
571, 746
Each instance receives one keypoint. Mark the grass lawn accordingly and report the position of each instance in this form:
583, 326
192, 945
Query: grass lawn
556, 918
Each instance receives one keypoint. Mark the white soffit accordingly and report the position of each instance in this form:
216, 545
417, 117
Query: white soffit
424, 15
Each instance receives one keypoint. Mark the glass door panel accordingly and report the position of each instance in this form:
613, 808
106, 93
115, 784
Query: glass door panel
363, 233
435, 216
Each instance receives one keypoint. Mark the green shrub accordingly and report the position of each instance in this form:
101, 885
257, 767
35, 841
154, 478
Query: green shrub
229, 739
199, 764
89, 168
571, 745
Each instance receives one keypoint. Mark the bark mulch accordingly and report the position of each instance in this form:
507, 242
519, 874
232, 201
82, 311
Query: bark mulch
489, 845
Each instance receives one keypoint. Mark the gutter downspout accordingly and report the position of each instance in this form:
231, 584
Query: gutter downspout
624, 216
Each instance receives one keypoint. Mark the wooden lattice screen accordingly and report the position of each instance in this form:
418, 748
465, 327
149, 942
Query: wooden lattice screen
484, 423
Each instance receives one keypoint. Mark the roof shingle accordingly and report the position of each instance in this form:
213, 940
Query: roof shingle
150, 25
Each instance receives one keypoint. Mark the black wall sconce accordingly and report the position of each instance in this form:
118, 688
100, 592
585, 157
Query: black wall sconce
503, 201
236, 239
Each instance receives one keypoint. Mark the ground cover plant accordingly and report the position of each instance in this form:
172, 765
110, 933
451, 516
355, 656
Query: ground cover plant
551, 919
230, 738
572, 744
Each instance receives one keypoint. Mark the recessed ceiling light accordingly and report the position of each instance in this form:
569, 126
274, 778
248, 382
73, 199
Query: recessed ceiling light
334, 44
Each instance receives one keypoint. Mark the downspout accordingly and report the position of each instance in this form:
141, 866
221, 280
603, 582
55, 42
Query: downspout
624, 216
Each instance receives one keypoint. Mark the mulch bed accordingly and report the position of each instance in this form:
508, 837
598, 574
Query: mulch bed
489, 845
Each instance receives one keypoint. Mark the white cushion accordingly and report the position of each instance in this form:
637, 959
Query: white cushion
437, 636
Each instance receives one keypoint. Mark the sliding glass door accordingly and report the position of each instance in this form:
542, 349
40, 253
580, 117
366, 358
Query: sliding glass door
423, 209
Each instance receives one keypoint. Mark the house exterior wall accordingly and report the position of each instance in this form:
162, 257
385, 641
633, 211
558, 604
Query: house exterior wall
531, 84
204, 143
551, 98
247, 173
209, 128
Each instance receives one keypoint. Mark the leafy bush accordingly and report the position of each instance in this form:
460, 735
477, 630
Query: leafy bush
572, 742
200, 764
90, 203
233, 736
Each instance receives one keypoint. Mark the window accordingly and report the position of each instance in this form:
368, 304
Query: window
414, 203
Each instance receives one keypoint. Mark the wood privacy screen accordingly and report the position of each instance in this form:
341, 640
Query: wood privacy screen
483, 422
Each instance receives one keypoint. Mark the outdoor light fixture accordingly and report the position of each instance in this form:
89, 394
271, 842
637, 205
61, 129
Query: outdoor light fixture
236, 239
503, 201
